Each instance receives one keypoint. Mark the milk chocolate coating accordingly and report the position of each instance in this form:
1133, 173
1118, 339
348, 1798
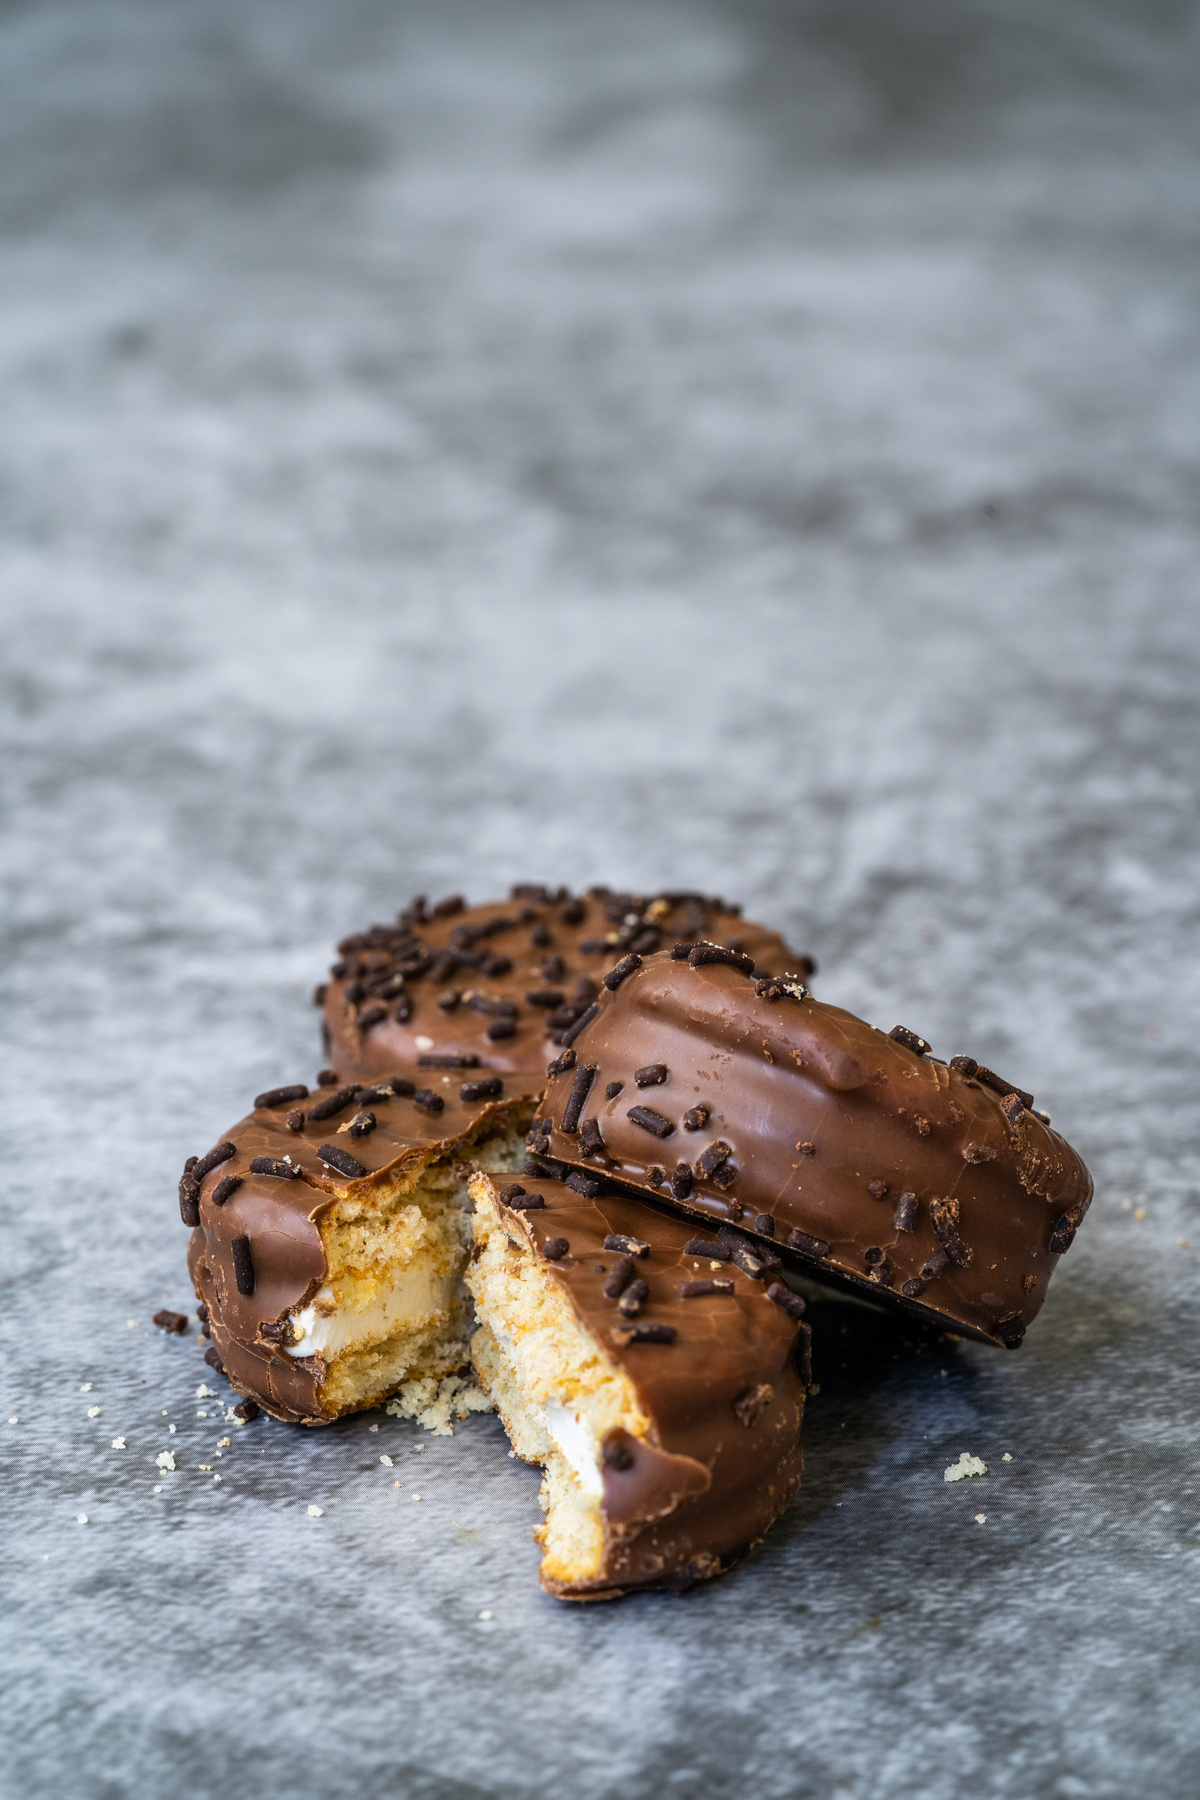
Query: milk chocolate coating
280, 1218
704, 1483
831, 1133
445, 955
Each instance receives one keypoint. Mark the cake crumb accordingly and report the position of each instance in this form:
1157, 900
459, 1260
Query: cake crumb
316, 1512
432, 1402
164, 1460
81, 1518
224, 1443
118, 1443
1139, 1212
171, 1429
1006, 1457
86, 1388
13, 1419
205, 1393
1183, 1243
966, 1465
981, 1518
416, 1496
372, 1428
93, 1412
387, 1462
486, 1615
158, 1490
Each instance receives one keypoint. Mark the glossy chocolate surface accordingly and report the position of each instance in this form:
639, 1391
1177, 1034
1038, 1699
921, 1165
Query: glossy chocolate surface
279, 1216
725, 1398
502, 983
930, 1186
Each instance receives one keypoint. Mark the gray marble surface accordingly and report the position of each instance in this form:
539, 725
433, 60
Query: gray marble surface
742, 445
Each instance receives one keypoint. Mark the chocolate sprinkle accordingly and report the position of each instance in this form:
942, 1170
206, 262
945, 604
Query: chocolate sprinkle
189, 1199
212, 1355
428, 1101
1011, 1333
699, 954
613, 1089
712, 1158
572, 912
873, 1255
562, 1063
906, 1211
695, 1290
523, 1202
402, 1012
696, 1118
937, 1264
656, 1175
943, 1216
581, 1023
627, 1246
548, 997
510, 1193
170, 1321
278, 1166
1063, 1236
294, 1120
1013, 1108
500, 1028
630, 1303
213, 1160
878, 1190
230, 1185
709, 1248
979, 1153
247, 1410
764, 1224
371, 1016
280, 1096
682, 1180
912, 1288
617, 1455
651, 1121
341, 1160
621, 1335
332, 1105
591, 1143
487, 1089
326, 1078
653, 1075
910, 1039
243, 1265
362, 1124
581, 1087
401, 1087
617, 974
440, 1059
811, 1246
619, 1278
583, 1184
554, 1249
791, 1303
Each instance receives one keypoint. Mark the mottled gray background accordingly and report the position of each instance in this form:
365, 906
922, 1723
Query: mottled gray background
732, 444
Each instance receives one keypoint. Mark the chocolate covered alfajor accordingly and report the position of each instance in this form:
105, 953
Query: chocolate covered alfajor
505, 983
659, 1384
724, 1089
330, 1232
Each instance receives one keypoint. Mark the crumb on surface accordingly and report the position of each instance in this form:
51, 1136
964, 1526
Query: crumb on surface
81, 1518
1006, 1457
387, 1462
966, 1465
93, 1412
372, 1428
316, 1512
981, 1518
432, 1402
164, 1460
204, 1392
118, 1443
86, 1388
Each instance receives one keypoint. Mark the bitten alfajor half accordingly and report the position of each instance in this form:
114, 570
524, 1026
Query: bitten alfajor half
330, 1232
503, 985
659, 1385
730, 1093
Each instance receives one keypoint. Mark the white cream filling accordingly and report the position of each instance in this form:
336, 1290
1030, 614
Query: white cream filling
578, 1445
331, 1324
